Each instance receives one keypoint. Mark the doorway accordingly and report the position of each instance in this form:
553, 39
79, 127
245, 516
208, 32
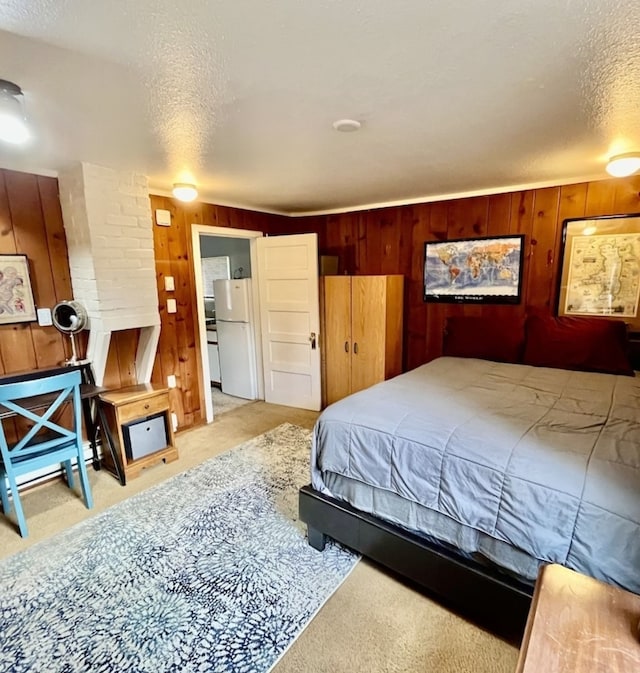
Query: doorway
238, 245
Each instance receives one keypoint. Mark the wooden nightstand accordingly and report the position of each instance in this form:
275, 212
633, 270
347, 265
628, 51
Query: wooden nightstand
138, 425
579, 625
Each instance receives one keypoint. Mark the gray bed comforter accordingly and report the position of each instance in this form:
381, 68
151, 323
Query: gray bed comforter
545, 460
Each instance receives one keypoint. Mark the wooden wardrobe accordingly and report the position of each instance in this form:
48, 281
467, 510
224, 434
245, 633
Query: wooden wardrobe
361, 337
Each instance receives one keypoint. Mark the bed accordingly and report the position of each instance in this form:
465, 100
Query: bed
465, 475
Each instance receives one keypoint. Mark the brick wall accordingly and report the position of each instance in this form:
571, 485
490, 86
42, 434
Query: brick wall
108, 224
107, 216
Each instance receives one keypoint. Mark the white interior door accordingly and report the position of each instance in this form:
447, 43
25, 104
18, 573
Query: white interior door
290, 317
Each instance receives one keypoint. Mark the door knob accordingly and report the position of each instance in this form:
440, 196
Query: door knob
312, 339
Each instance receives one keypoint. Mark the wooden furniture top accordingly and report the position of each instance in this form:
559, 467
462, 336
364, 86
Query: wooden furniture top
131, 394
580, 625
88, 390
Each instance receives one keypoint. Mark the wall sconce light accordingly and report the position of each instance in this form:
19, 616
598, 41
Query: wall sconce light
13, 125
623, 165
184, 191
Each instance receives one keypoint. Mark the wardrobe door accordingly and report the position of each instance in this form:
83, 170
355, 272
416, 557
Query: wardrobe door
368, 327
337, 337
394, 305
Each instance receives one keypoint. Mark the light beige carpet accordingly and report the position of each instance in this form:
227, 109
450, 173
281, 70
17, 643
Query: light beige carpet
372, 623
376, 624
223, 403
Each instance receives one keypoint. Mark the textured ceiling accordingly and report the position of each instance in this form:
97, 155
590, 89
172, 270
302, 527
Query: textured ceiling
454, 97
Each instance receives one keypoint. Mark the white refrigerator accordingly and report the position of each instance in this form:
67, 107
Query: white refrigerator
236, 338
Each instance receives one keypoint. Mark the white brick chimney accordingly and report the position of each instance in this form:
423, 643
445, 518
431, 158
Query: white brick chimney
108, 224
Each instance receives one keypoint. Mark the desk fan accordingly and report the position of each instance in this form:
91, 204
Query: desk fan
70, 317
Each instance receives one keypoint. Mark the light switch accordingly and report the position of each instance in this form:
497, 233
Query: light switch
171, 306
169, 284
163, 218
44, 317
171, 381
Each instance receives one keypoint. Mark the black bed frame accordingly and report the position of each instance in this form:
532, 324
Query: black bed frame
492, 599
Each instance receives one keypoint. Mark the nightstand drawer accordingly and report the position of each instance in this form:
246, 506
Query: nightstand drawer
145, 435
145, 407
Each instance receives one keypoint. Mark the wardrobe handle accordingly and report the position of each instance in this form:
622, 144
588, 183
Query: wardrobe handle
346, 346
355, 347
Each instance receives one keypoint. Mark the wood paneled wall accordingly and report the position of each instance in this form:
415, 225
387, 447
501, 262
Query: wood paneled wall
391, 240
31, 224
388, 240
179, 347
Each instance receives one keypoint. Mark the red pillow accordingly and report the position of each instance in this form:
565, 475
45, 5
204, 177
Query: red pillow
499, 339
584, 344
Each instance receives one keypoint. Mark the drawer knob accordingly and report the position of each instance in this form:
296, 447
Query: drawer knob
146, 406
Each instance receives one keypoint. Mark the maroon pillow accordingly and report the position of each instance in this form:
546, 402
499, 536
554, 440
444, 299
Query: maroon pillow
584, 344
499, 339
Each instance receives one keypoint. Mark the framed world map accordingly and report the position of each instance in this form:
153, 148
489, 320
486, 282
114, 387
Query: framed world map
477, 270
600, 267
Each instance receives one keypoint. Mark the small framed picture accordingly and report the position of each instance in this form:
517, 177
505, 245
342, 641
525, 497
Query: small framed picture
16, 295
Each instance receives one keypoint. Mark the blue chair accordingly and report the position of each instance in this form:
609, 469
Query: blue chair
47, 441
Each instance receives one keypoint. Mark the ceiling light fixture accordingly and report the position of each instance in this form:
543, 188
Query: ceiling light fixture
183, 191
346, 125
13, 125
623, 165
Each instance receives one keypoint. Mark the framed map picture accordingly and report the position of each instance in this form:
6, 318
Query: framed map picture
16, 296
600, 267
478, 270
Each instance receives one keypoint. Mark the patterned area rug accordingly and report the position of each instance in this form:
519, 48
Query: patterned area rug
208, 571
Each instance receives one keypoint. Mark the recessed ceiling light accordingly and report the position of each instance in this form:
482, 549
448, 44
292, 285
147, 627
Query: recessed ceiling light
623, 165
184, 191
346, 125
